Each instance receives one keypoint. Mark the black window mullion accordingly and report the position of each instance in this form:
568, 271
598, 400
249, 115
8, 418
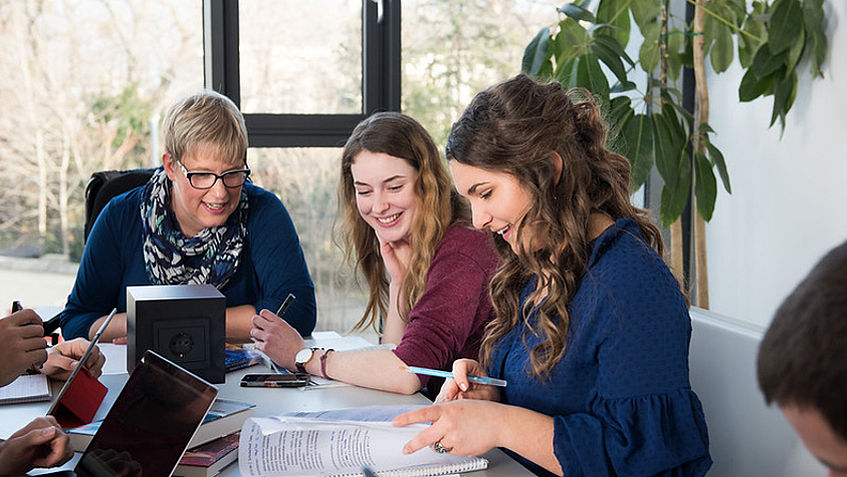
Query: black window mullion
380, 76
300, 130
220, 44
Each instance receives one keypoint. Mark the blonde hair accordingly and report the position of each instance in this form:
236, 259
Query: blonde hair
515, 127
438, 204
206, 118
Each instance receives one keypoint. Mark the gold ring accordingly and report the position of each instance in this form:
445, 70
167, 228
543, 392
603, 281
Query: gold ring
437, 447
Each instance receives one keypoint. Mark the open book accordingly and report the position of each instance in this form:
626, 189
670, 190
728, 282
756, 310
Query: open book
340, 443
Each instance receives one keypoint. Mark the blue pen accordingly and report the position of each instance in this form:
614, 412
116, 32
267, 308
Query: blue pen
449, 375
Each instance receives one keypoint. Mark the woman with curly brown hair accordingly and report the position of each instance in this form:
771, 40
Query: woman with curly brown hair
428, 271
591, 329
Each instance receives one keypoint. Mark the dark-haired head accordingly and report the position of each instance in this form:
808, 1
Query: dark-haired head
802, 361
552, 142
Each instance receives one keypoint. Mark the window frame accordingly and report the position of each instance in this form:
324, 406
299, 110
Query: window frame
380, 76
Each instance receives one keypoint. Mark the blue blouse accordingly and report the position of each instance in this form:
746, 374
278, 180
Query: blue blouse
620, 396
272, 264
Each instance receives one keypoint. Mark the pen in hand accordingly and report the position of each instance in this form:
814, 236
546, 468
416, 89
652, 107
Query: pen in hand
449, 375
16, 306
285, 304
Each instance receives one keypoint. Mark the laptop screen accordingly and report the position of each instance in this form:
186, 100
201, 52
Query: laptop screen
151, 422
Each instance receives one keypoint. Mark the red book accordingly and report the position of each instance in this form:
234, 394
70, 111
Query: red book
210, 458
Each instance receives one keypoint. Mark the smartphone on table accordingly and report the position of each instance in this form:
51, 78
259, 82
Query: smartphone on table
294, 380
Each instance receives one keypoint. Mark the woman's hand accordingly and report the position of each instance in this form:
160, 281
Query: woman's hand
276, 338
461, 388
22, 335
63, 358
395, 256
466, 427
40, 444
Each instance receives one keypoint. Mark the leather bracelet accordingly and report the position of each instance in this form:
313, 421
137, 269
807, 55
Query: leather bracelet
323, 362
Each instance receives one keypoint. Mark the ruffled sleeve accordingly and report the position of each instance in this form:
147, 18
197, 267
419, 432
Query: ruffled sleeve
642, 416
658, 434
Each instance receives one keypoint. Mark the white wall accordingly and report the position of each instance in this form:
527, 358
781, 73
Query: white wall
789, 200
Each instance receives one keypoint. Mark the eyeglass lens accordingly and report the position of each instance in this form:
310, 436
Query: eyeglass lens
203, 180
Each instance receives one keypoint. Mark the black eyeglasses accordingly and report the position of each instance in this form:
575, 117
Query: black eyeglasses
207, 180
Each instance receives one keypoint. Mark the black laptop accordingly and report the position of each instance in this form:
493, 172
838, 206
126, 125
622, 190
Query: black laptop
150, 424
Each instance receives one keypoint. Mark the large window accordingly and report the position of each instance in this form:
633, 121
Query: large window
305, 179
83, 86
308, 62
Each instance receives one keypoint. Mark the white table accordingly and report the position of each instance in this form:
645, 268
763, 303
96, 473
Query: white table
269, 401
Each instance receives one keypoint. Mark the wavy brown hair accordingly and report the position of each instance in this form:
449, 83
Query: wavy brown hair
516, 127
438, 205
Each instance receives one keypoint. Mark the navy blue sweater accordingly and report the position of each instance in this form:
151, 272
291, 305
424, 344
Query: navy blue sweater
272, 264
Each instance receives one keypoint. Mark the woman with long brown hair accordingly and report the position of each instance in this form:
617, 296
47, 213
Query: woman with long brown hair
591, 329
428, 271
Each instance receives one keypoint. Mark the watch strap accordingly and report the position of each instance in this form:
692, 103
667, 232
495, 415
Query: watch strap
301, 367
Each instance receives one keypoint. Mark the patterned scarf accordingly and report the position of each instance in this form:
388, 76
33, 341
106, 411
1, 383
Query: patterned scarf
215, 252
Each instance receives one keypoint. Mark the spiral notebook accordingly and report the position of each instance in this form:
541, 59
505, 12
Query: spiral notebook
339, 443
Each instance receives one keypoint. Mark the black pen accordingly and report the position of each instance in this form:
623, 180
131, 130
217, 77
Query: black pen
16, 306
367, 472
285, 304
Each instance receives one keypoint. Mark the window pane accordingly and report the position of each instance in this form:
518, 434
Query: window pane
305, 179
83, 88
300, 57
454, 48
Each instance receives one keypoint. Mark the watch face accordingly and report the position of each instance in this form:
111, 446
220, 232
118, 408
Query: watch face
303, 355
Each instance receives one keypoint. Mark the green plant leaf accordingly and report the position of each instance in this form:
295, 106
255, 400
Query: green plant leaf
813, 19
616, 15
620, 111
675, 198
577, 12
601, 49
676, 44
752, 86
764, 63
722, 52
645, 12
669, 144
535, 53
817, 48
794, 52
566, 72
704, 127
571, 40
674, 102
710, 25
717, 159
613, 45
686, 56
648, 54
738, 10
546, 71
705, 186
617, 116
785, 90
755, 26
590, 76
622, 87
639, 138
785, 25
